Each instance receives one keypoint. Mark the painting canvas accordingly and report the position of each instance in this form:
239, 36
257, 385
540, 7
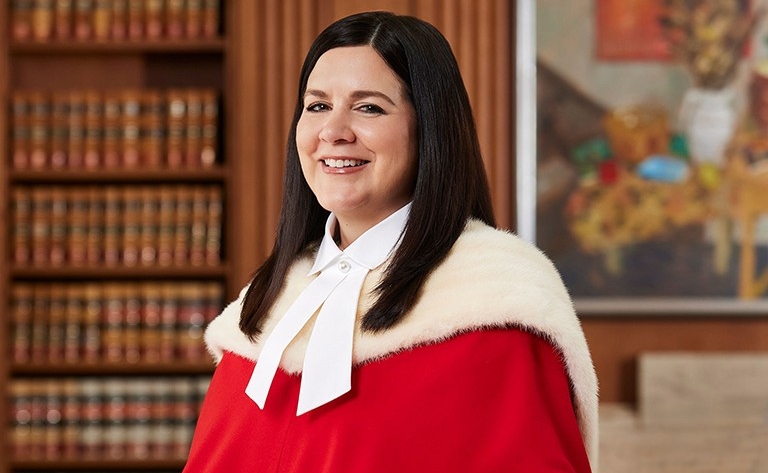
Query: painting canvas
654, 230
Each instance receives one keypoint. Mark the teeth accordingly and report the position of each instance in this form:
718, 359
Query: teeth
341, 163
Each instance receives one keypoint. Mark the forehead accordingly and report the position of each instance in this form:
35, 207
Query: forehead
353, 67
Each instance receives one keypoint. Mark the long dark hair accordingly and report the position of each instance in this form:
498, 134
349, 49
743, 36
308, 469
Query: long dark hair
451, 185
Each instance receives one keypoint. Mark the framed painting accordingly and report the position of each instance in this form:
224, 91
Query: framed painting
606, 185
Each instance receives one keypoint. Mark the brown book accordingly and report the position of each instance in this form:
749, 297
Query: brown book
21, 124
150, 321
214, 225
194, 128
56, 322
166, 225
184, 414
20, 401
211, 18
40, 320
197, 247
152, 134
41, 225
210, 131
191, 319
21, 320
59, 222
76, 130
83, 19
193, 24
42, 20
131, 225
102, 20
119, 20
150, 225
169, 294
94, 129
133, 302
174, 18
113, 323
23, 204
153, 18
183, 225
91, 397
135, 19
112, 128
71, 418
54, 427
113, 231
95, 250
62, 19
73, 323
77, 238
92, 328
21, 20
115, 419
59, 129
39, 107
176, 126
214, 301
138, 409
131, 127
162, 419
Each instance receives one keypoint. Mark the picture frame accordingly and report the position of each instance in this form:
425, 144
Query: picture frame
690, 269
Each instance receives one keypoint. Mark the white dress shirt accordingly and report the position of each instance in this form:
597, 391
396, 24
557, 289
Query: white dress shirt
327, 369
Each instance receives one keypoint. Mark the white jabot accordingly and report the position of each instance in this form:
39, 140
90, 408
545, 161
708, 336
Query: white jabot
327, 369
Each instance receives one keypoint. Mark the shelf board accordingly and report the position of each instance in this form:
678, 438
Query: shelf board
108, 369
119, 47
106, 272
203, 174
97, 465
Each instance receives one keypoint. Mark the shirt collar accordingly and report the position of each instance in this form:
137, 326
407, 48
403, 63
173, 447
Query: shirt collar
370, 249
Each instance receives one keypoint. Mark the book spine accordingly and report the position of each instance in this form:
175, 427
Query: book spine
194, 19
39, 130
71, 419
54, 431
95, 231
213, 226
23, 221
21, 318
83, 19
211, 18
133, 315
210, 130
59, 132
194, 128
21, 20
102, 20
113, 321
150, 225
174, 18
41, 225
153, 18
119, 20
94, 129
73, 323
182, 225
77, 242
112, 130
152, 128
92, 323
21, 124
131, 128
112, 226
42, 20
167, 226
59, 223
56, 322
198, 229
131, 225
62, 19
190, 323
40, 308
168, 321
135, 19
76, 130
176, 125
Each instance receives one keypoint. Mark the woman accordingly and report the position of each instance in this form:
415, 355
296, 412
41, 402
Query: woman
393, 329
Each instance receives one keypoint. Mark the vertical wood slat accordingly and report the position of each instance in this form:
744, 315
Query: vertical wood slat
4, 239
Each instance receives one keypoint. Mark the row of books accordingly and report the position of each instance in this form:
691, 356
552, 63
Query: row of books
123, 128
118, 322
113, 20
111, 225
112, 418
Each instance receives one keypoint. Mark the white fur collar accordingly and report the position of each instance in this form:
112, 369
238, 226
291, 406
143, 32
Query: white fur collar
490, 278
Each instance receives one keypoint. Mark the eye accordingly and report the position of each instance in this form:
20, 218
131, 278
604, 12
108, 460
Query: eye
371, 109
317, 107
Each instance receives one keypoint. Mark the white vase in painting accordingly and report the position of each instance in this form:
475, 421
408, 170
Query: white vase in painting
708, 119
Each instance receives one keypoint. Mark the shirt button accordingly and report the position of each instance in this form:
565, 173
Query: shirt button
344, 266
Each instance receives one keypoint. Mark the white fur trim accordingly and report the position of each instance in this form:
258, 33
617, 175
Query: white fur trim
490, 278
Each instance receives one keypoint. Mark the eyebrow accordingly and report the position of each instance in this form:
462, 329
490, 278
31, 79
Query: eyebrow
357, 94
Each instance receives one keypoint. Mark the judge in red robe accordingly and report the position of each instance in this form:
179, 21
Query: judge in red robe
482, 368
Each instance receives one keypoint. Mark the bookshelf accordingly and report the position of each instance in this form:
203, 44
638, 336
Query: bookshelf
105, 365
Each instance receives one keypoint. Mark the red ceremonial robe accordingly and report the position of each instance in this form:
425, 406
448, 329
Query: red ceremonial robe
446, 392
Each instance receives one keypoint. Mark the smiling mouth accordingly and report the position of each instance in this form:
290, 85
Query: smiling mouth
343, 163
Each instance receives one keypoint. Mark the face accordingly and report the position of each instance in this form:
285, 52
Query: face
357, 136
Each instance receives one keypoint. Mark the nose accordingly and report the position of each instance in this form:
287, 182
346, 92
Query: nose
336, 128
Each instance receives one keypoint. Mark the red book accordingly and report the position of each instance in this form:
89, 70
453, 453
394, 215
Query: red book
174, 18
153, 18
21, 20
62, 19
83, 19
119, 20
193, 24
211, 15
135, 19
